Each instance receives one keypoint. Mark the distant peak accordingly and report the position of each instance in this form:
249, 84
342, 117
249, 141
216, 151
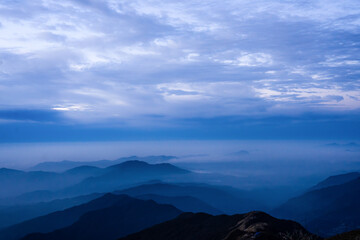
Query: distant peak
336, 180
137, 165
258, 215
111, 197
135, 162
9, 170
130, 163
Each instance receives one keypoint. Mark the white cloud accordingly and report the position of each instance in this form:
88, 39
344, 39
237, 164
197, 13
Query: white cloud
126, 59
76, 107
254, 59
245, 59
332, 97
339, 61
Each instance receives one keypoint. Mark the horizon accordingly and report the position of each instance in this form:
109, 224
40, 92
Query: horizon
241, 164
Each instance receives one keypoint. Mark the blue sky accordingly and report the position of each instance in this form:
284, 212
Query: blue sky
142, 70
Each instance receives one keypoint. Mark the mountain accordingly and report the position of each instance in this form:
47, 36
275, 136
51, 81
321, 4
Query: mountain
123, 175
220, 198
326, 211
352, 235
84, 171
15, 182
66, 165
20, 187
136, 166
336, 180
59, 219
120, 219
201, 226
184, 203
28, 198
19, 213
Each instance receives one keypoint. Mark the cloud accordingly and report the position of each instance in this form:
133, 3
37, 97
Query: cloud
246, 59
122, 61
30, 115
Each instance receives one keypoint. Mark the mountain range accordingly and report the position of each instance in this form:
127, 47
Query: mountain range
58, 219
326, 211
62, 166
124, 175
184, 203
80, 180
227, 200
15, 214
336, 180
124, 216
138, 200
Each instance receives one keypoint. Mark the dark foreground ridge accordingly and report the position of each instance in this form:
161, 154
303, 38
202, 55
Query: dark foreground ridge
200, 226
352, 235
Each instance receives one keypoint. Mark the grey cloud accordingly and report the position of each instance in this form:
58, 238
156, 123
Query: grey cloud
336, 98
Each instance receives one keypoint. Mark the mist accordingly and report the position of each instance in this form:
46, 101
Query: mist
256, 163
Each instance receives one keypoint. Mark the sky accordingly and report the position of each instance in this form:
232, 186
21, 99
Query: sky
77, 71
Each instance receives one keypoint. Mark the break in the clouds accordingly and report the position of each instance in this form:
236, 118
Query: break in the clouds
111, 61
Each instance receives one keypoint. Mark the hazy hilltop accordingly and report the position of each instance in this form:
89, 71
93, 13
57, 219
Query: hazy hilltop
227, 200
79, 180
66, 165
123, 175
10, 215
336, 180
15, 182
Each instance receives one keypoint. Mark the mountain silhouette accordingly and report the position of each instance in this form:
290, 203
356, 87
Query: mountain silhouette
60, 219
223, 199
20, 187
15, 182
62, 166
336, 180
326, 211
352, 235
136, 166
15, 214
123, 175
84, 170
120, 219
183, 203
201, 226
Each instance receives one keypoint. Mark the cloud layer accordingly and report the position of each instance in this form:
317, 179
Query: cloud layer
132, 61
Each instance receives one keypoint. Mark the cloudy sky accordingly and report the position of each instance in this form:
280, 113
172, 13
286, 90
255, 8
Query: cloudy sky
78, 70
